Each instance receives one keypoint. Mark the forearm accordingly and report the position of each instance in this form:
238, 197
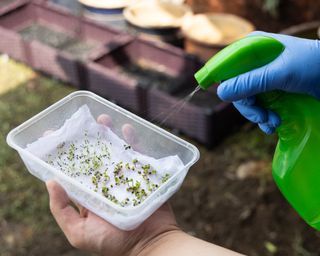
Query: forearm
179, 243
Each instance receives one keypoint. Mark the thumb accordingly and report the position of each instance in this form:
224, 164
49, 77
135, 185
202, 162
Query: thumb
265, 78
66, 216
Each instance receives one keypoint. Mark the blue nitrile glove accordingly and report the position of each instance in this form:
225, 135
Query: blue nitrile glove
296, 70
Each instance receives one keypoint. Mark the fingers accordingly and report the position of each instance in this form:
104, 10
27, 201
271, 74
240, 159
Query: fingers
252, 112
129, 134
268, 121
241, 89
273, 121
262, 79
128, 131
248, 84
66, 216
105, 120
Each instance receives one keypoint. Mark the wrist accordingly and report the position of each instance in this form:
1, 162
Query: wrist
156, 241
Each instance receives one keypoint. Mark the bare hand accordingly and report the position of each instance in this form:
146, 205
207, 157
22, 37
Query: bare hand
86, 231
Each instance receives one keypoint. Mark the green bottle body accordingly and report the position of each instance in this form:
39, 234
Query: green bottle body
295, 166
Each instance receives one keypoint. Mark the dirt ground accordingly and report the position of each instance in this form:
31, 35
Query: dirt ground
228, 197
234, 202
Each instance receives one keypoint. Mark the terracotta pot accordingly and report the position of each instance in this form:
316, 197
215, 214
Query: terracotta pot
206, 34
109, 12
159, 21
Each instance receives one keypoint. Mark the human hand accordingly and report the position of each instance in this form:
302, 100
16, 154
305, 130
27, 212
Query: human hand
158, 235
296, 70
86, 231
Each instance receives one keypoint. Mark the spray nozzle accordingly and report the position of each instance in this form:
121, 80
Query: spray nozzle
242, 56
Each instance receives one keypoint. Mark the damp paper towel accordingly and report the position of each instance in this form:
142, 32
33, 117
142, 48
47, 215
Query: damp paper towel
96, 157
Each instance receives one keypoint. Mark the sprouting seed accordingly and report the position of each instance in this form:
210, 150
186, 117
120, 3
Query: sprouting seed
61, 145
126, 147
165, 177
90, 163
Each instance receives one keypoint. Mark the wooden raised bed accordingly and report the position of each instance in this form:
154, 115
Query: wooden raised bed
54, 41
204, 117
129, 71
152, 79
10, 5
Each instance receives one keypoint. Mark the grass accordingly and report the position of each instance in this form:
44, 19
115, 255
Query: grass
15, 107
26, 225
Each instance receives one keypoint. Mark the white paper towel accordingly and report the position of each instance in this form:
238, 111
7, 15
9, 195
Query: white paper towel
91, 140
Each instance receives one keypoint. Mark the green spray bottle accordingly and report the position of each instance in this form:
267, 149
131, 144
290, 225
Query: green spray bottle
295, 166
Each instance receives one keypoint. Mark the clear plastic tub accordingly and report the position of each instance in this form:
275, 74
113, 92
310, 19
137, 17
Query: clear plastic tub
155, 141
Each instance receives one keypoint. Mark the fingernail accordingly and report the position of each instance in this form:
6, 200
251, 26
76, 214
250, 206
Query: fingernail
105, 120
50, 184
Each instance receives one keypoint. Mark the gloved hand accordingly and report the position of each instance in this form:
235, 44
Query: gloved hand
297, 70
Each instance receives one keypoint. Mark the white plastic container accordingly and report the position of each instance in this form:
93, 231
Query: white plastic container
155, 141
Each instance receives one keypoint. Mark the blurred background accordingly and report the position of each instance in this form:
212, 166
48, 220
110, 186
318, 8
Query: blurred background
142, 55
